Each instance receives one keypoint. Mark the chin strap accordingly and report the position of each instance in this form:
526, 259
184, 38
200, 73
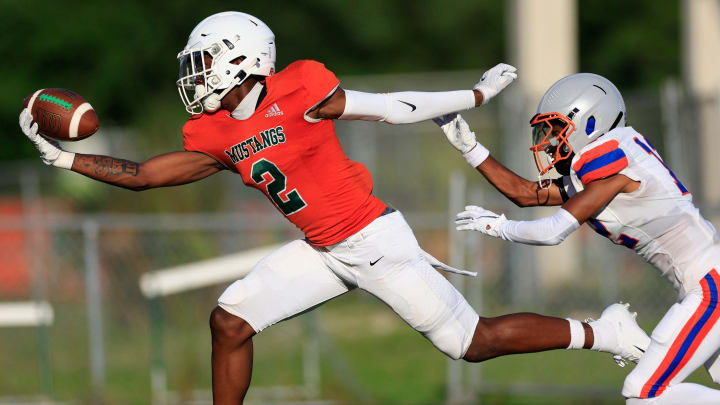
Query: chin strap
212, 102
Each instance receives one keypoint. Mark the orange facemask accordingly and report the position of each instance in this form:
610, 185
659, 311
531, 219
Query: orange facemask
552, 143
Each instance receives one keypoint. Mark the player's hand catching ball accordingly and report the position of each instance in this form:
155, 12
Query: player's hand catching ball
495, 80
50, 151
479, 219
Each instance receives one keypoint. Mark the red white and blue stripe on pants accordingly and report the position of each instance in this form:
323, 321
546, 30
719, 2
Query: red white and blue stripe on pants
690, 337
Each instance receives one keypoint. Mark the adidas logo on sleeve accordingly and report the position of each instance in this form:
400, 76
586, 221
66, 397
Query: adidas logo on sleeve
273, 111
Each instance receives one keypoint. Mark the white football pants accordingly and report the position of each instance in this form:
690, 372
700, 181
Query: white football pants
687, 337
383, 259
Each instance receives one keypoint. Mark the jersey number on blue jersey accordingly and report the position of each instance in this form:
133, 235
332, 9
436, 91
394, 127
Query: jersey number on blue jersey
293, 202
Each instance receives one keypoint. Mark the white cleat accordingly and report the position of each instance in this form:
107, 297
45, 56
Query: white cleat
632, 341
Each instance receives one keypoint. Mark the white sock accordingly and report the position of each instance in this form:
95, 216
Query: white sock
681, 394
577, 334
604, 336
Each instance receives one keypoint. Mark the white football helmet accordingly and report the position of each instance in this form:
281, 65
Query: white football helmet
581, 107
225, 37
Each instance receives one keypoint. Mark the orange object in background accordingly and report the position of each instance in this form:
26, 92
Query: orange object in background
14, 266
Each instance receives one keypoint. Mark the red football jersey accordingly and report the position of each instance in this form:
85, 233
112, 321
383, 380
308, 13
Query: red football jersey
295, 161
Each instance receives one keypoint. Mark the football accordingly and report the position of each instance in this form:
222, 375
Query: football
62, 114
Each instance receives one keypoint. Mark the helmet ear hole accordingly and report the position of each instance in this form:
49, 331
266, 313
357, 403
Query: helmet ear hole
590, 126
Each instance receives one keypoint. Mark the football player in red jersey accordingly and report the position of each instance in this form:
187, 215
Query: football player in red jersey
276, 131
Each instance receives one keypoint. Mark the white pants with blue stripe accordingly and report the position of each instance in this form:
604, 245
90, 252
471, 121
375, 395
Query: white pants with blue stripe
687, 337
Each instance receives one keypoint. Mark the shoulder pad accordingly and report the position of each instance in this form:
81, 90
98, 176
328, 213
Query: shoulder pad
598, 161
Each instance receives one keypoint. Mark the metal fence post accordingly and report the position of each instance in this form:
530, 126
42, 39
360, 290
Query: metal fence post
311, 355
520, 259
94, 309
456, 248
158, 375
474, 293
30, 191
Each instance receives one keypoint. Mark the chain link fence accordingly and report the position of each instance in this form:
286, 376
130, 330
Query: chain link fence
105, 341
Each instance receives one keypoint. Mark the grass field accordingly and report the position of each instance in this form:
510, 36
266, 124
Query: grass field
369, 355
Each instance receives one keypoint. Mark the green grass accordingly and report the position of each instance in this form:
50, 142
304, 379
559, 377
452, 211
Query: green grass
369, 355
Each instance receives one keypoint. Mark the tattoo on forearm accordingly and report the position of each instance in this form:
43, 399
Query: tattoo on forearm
105, 166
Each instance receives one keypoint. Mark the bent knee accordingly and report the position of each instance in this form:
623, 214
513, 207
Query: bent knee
226, 327
484, 343
632, 387
453, 338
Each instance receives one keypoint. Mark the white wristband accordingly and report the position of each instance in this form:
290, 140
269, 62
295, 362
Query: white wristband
577, 334
65, 160
476, 155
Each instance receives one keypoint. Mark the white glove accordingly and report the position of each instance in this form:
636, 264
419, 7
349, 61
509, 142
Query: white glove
495, 80
481, 220
50, 151
457, 131
462, 138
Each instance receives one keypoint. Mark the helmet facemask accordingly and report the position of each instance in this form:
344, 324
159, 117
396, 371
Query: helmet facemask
550, 132
198, 80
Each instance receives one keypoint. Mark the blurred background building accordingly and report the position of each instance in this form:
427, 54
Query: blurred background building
76, 326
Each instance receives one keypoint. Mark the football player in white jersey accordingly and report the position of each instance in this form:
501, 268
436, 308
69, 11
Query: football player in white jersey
615, 180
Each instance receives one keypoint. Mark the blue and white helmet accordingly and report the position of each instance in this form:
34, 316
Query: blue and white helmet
585, 106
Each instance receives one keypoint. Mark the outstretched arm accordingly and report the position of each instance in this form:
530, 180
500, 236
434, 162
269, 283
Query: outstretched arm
550, 230
522, 192
412, 106
170, 169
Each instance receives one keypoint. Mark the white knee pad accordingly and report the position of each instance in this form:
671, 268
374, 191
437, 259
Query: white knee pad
454, 335
449, 341
633, 385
